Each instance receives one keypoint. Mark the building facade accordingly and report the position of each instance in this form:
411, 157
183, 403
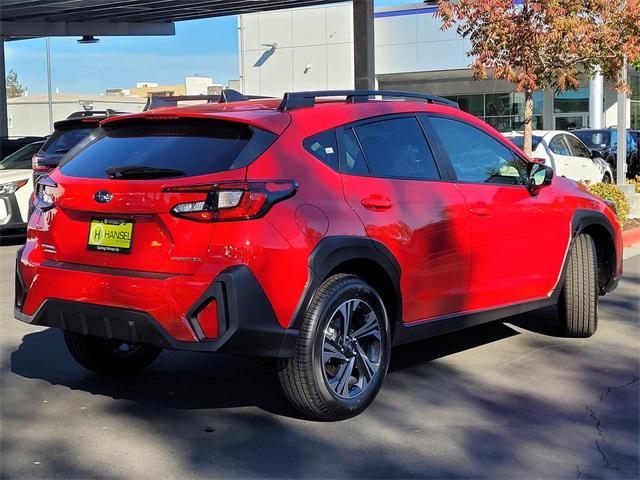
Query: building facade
312, 49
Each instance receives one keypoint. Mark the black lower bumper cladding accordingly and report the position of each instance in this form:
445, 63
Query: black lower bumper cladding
247, 322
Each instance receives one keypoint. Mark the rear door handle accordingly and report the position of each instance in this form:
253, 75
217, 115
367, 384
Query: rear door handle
376, 202
481, 211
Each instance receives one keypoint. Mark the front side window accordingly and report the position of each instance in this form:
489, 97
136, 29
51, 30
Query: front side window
577, 147
558, 146
396, 148
476, 156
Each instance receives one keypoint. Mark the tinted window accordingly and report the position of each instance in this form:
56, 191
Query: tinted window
64, 140
475, 155
577, 147
519, 141
323, 147
558, 146
593, 138
354, 162
396, 148
20, 159
172, 148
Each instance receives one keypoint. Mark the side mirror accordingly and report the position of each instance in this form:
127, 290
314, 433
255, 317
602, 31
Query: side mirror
538, 176
596, 154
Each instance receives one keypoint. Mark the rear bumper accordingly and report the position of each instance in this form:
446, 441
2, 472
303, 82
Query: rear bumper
247, 324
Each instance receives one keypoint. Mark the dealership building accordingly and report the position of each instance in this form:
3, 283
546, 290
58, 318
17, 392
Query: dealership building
312, 49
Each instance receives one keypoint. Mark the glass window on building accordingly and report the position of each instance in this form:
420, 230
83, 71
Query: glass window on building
503, 111
576, 101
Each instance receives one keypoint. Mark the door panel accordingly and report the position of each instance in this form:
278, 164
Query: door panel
391, 181
518, 240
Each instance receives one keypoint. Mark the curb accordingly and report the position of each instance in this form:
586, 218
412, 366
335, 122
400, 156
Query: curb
631, 237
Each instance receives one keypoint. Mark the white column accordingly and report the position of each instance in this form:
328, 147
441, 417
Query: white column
596, 100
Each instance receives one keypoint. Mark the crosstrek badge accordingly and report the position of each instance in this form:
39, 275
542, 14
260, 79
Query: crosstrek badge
110, 235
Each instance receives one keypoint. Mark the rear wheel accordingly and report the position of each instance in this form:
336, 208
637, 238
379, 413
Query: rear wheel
110, 357
342, 352
578, 304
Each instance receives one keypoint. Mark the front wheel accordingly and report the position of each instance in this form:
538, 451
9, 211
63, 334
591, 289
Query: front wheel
578, 304
110, 357
342, 351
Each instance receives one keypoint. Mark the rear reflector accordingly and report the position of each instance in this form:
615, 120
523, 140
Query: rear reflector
208, 319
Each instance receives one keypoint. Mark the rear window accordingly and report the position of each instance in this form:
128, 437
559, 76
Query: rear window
519, 141
594, 138
64, 140
160, 149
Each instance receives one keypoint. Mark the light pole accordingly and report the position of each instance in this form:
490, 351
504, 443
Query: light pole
49, 94
621, 162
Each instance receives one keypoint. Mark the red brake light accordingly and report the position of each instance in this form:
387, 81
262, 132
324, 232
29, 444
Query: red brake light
35, 164
232, 201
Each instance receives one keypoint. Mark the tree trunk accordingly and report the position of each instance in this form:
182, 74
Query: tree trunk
528, 121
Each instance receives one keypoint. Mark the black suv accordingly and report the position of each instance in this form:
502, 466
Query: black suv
604, 143
67, 134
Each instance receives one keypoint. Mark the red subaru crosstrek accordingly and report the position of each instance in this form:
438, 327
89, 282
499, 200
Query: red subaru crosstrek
320, 232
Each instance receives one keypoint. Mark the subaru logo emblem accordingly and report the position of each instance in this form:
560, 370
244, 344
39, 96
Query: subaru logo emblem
102, 196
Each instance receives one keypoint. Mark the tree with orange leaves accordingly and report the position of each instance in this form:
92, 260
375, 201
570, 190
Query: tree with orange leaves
546, 43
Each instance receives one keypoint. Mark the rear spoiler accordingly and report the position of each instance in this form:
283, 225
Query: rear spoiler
226, 96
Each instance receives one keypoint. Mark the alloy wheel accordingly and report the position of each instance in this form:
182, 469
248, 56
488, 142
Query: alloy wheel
351, 348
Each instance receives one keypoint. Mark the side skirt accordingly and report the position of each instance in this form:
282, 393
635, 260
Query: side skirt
406, 333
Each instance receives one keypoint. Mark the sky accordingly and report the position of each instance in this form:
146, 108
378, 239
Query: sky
203, 47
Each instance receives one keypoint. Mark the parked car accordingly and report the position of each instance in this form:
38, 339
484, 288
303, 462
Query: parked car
9, 145
67, 134
635, 134
317, 233
16, 188
604, 143
567, 155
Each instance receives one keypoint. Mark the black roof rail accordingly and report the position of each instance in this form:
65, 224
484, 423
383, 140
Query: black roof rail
294, 100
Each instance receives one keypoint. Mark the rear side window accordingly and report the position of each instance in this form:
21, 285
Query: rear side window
396, 148
476, 156
162, 149
64, 140
354, 162
323, 147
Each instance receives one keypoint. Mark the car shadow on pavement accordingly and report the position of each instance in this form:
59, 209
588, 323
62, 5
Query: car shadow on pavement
188, 380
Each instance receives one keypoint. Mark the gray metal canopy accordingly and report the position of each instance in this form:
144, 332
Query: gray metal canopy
34, 18
21, 19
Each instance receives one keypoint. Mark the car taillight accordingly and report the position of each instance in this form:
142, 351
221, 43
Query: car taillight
43, 199
231, 201
37, 166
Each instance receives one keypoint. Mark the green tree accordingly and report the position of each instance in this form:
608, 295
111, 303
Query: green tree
14, 87
537, 44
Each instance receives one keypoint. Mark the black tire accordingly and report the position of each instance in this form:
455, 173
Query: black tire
578, 304
109, 357
305, 378
606, 178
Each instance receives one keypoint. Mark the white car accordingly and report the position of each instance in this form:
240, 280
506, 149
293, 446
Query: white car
566, 154
16, 187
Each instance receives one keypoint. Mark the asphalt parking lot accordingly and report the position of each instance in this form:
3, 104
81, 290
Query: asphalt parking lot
503, 400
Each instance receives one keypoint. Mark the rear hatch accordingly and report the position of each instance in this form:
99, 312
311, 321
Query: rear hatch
114, 196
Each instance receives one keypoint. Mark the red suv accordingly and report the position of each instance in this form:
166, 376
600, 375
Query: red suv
320, 232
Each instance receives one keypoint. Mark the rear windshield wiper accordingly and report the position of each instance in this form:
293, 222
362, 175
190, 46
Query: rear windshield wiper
142, 172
